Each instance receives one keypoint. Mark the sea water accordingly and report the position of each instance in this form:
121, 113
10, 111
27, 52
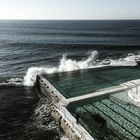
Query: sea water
28, 48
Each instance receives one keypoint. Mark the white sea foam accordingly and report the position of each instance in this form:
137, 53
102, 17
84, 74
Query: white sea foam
128, 61
16, 81
64, 138
71, 65
42, 114
12, 82
44, 121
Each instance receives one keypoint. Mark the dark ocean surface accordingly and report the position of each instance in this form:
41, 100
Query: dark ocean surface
32, 47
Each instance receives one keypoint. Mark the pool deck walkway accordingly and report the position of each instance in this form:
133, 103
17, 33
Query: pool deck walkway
120, 88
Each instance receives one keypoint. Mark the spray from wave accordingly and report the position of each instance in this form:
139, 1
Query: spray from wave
130, 60
65, 65
71, 65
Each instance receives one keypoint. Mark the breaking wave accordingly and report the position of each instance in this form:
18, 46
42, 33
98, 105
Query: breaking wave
65, 65
71, 65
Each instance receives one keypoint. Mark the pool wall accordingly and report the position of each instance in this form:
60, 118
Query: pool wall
60, 113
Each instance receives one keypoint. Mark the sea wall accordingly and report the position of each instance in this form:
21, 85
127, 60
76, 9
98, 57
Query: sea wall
59, 111
48, 90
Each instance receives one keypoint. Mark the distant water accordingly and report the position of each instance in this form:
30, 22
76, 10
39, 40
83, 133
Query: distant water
28, 48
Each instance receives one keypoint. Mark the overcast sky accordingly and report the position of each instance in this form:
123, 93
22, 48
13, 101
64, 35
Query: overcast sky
69, 9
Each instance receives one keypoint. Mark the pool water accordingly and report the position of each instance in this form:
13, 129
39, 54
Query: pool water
76, 83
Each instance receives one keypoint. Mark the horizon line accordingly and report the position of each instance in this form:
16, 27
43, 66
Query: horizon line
73, 19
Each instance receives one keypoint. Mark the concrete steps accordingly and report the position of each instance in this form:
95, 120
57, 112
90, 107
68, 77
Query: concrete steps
123, 112
131, 108
111, 122
123, 124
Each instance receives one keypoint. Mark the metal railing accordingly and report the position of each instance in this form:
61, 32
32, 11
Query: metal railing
131, 89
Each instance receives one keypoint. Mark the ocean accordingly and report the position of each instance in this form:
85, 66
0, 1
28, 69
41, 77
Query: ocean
31, 47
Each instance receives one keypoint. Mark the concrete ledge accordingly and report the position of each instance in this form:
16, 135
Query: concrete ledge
105, 93
69, 125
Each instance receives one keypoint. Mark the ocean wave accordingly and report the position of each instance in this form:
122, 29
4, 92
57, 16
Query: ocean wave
65, 65
71, 65
129, 60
